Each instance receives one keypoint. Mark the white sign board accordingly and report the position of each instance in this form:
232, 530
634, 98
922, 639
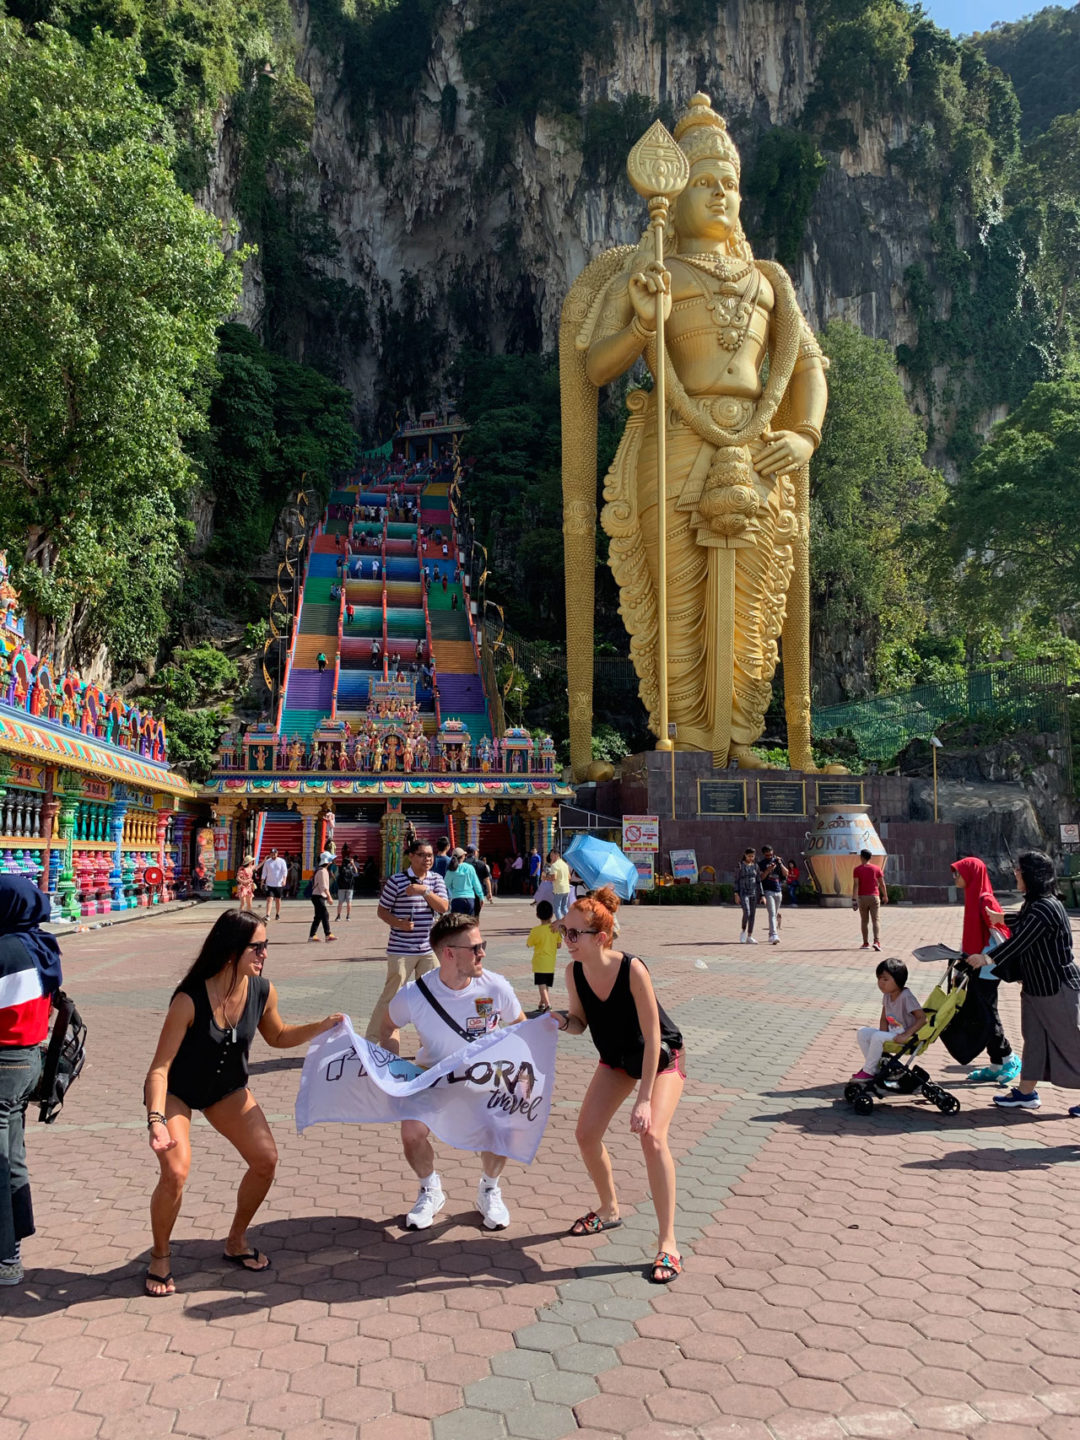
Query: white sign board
641, 832
1070, 834
684, 865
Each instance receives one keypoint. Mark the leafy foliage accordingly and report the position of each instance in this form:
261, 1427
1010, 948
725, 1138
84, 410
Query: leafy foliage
383, 47
787, 170
271, 423
1012, 522
525, 58
868, 486
1041, 56
112, 283
191, 695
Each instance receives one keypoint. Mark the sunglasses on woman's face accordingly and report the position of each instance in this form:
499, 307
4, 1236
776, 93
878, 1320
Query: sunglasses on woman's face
572, 935
260, 949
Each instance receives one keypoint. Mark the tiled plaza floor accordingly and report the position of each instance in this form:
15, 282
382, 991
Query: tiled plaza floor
902, 1274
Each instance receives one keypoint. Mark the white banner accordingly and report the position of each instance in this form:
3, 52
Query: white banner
492, 1095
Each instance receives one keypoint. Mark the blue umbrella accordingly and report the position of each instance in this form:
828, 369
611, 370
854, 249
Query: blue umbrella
599, 862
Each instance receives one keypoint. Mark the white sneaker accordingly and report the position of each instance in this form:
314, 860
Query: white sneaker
12, 1273
428, 1204
742, 937
489, 1202
774, 939
750, 940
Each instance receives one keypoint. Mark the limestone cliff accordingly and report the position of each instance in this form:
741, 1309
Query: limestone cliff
426, 234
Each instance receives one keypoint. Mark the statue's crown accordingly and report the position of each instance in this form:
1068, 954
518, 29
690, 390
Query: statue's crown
702, 134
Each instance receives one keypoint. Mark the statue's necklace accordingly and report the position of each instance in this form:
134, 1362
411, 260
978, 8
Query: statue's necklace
731, 312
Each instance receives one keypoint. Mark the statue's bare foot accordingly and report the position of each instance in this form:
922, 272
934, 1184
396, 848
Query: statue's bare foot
746, 759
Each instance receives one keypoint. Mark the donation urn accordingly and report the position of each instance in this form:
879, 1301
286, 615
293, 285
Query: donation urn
832, 850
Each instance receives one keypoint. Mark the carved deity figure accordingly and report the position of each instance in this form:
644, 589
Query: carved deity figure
736, 503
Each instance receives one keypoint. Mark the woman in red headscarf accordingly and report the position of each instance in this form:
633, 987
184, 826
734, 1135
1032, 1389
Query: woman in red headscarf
984, 927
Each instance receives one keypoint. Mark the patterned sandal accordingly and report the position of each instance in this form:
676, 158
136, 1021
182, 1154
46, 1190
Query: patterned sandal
591, 1224
669, 1266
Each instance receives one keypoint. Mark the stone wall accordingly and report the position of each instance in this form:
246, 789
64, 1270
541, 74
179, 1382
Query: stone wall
920, 852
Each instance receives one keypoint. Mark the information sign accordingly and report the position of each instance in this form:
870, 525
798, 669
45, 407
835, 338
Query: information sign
839, 792
684, 865
641, 832
643, 861
1070, 834
781, 797
721, 797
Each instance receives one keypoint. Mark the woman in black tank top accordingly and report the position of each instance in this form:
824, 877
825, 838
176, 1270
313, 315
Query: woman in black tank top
611, 996
201, 1063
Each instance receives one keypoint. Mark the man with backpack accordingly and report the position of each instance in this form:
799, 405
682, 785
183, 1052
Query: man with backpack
346, 884
410, 902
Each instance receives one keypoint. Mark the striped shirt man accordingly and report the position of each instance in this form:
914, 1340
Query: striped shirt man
394, 899
409, 904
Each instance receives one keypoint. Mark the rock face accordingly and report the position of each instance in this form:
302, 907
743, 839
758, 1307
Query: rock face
422, 229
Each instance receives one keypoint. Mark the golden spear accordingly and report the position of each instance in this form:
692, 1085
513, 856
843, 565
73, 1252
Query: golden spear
659, 172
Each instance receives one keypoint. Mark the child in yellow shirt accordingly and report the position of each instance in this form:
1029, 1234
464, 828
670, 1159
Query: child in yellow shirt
544, 942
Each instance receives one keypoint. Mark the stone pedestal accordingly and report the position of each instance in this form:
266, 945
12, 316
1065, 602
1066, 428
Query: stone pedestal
779, 811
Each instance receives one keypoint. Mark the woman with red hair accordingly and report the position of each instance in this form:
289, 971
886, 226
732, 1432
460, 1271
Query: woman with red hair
984, 927
612, 997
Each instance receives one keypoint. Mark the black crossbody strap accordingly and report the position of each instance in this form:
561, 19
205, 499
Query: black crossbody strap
442, 1014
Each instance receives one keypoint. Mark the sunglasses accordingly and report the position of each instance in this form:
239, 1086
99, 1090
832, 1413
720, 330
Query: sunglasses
477, 950
261, 948
569, 933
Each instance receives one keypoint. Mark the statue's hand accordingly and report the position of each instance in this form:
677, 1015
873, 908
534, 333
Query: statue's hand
782, 451
645, 289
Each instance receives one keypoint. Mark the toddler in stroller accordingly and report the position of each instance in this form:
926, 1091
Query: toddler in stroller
906, 1029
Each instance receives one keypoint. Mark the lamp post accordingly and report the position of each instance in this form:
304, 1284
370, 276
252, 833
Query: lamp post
935, 746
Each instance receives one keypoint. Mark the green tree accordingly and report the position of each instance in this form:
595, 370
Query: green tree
1012, 522
112, 283
869, 486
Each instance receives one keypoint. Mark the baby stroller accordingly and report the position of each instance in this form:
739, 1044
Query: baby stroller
898, 1074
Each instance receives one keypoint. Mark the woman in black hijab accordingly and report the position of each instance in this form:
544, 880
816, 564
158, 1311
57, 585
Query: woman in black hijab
29, 977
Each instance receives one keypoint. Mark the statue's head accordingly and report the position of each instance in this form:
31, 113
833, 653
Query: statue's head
708, 209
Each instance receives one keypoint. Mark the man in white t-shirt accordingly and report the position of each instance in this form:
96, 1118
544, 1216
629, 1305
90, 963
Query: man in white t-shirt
474, 1001
274, 873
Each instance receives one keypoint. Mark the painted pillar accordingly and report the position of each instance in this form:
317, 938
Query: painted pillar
182, 827
67, 893
50, 807
392, 828
163, 818
309, 811
116, 835
224, 827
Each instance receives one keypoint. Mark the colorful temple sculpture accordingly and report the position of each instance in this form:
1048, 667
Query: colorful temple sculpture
89, 808
384, 725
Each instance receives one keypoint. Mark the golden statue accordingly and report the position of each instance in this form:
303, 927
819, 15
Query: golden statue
736, 513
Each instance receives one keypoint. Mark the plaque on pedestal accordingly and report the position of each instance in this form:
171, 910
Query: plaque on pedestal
721, 797
781, 797
839, 792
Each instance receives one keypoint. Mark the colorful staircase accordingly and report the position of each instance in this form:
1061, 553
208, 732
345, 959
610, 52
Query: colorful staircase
389, 607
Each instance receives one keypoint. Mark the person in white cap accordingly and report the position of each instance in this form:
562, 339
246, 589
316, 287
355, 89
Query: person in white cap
320, 897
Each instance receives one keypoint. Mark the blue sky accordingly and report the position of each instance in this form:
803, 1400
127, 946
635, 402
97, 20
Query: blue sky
964, 16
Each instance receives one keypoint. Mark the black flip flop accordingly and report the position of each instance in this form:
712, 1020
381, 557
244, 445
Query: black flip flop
249, 1255
158, 1280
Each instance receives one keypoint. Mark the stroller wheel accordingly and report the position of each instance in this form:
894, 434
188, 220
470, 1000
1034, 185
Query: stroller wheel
932, 1093
851, 1089
863, 1104
948, 1104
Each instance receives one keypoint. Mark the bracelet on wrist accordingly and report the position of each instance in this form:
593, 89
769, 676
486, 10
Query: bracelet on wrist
811, 432
154, 1117
640, 331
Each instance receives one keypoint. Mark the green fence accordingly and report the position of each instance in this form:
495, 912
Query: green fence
1020, 696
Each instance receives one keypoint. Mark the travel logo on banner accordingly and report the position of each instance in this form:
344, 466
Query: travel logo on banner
492, 1095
